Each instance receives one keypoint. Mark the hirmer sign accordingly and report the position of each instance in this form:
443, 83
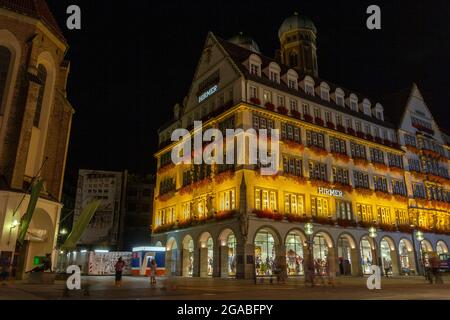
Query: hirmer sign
330, 192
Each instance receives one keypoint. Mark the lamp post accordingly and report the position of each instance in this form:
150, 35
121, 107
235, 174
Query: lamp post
420, 237
309, 230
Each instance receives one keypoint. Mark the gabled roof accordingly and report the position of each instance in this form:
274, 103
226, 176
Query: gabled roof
239, 55
37, 9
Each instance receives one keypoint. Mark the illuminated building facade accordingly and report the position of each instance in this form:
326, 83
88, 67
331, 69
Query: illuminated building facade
345, 164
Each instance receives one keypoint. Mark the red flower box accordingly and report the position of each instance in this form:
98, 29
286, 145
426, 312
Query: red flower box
363, 191
255, 101
378, 140
366, 224
387, 142
340, 128
380, 166
360, 134
351, 131
360, 162
396, 169
369, 137
383, 195
318, 151
224, 215
324, 220
308, 118
319, 121
297, 218
296, 114
293, 145
270, 106
405, 228
388, 227
340, 156
330, 125
346, 223
282, 110
267, 214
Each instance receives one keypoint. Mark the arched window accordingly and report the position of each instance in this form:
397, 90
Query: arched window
5, 61
42, 76
293, 60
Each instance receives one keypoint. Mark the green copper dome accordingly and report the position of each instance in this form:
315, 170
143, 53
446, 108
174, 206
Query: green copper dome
245, 41
296, 22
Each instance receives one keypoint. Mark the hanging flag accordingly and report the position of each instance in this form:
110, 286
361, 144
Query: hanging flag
26, 218
81, 224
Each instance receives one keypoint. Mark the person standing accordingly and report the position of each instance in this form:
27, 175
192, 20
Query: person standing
153, 267
434, 264
120, 265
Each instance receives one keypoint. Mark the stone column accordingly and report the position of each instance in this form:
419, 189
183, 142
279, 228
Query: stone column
280, 258
307, 263
331, 260
356, 262
203, 262
245, 261
224, 261
168, 263
196, 271
185, 263
395, 263
217, 260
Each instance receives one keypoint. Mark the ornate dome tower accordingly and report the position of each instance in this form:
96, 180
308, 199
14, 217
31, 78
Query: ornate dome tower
297, 36
245, 42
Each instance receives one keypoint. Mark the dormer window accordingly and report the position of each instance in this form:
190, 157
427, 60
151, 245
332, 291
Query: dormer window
353, 102
339, 97
309, 85
378, 112
292, 84
274, 72
274, 76
309, 89
366, 107
254, 69
325, 91
254, 65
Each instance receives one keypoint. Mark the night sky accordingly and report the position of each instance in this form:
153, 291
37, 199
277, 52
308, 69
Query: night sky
133, 60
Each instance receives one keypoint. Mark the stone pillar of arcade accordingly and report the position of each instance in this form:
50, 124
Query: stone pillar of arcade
395, 263
331, 260
356, 265
203, 262
245, 260
224, 261
280, 257
217, 259
306, 261
185, 263
196, 267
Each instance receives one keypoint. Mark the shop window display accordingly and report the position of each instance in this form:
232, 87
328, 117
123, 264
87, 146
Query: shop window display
441, 247
294, 255
320, 253
344, 254
191, 258
366, 256
210, 245
264, 253
231, 255
386, 259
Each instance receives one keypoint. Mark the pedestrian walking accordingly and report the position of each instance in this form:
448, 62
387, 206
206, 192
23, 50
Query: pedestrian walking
119, 266
435, 264
387, 267
153, 267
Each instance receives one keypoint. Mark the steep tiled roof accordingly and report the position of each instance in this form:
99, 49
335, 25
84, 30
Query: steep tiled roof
37, 9
239, 55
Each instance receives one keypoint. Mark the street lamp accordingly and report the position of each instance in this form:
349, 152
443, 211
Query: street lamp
420, 237
309, 230
14, 225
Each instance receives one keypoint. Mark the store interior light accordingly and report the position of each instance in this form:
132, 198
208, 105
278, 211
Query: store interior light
15, 223
101, 251
83, 251
63, 231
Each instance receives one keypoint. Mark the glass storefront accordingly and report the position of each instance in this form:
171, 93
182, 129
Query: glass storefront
366, 255
210, 245
386, 259
344, 256
191, 258
264, 253
404, 257
294, 255
441, 247
231, 243
320, 253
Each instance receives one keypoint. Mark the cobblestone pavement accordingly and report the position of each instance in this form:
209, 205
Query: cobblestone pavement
138, 288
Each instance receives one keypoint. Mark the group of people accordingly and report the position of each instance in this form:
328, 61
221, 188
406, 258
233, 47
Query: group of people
120, 266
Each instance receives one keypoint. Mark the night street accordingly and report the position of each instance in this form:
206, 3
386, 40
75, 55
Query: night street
137, 288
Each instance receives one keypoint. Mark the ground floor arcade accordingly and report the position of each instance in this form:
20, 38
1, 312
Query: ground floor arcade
220, 249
